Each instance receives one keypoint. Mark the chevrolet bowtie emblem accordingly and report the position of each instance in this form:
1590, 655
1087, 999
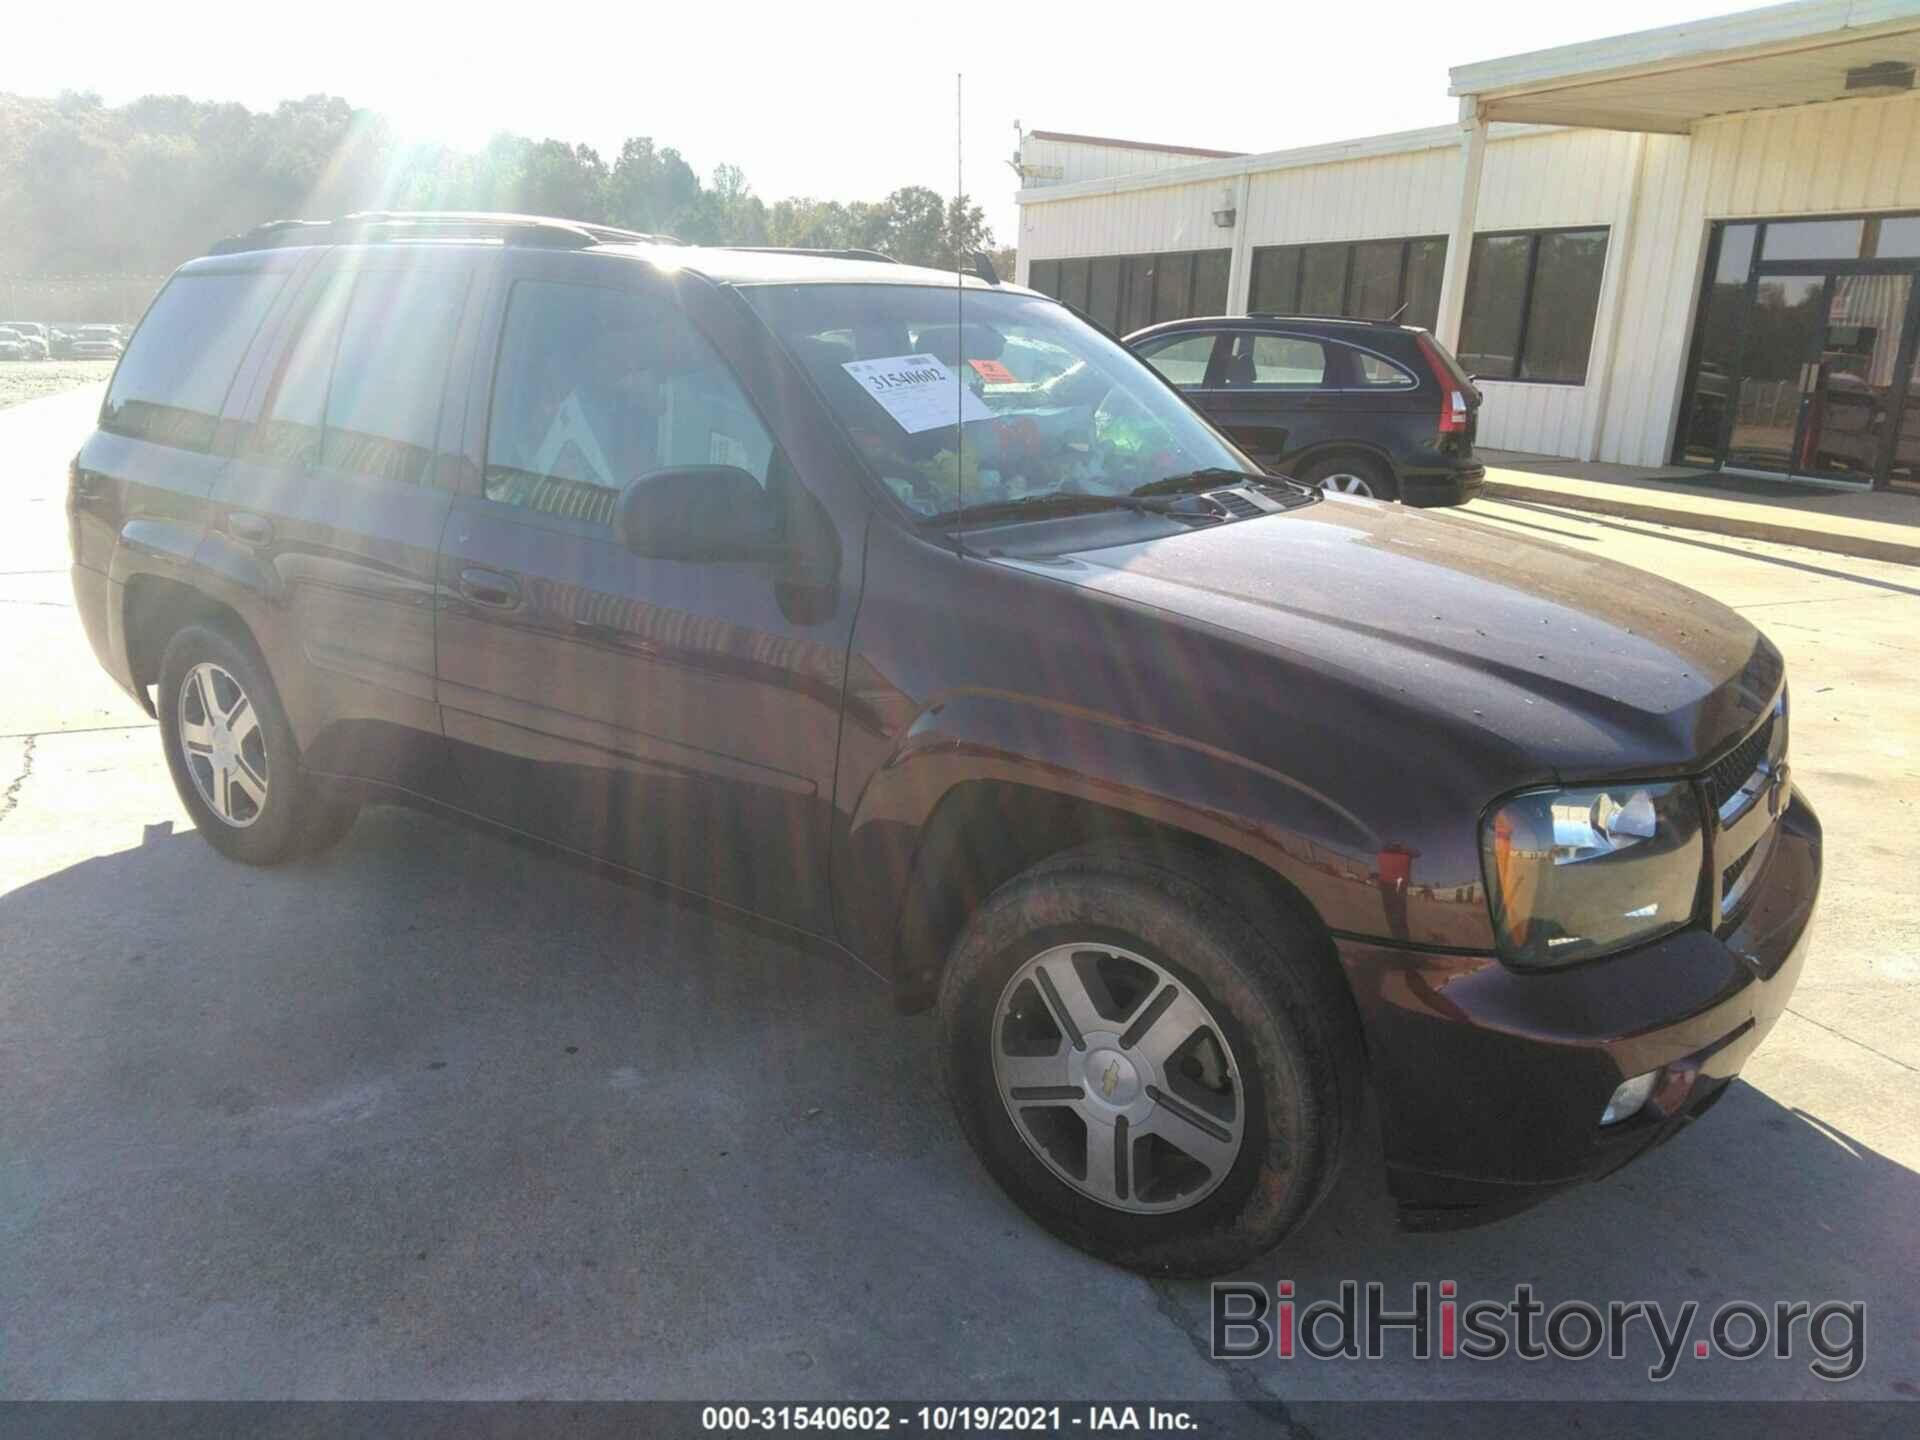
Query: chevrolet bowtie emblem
1110, 1079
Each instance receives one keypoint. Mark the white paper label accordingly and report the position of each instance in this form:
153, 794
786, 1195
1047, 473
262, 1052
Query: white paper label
917, 391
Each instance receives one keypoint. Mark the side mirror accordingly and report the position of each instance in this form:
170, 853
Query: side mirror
697, 512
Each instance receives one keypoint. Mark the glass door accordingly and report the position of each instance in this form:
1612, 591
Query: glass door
1850, 406
1785, 325
1804, 351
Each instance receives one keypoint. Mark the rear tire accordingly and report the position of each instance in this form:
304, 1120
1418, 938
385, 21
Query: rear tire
1218, 1060
1360, 475
233, 756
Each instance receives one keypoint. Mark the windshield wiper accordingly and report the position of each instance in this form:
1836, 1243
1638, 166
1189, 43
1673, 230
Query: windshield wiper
1030, 507
1212, 477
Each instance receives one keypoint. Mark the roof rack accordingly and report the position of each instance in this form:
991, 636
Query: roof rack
364, 225
828, 254
1319, 319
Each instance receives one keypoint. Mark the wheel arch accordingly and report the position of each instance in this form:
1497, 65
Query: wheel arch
984, 832
1335, 449
155, 608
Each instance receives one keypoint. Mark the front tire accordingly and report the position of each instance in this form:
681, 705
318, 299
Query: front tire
1148, 1074
233, 756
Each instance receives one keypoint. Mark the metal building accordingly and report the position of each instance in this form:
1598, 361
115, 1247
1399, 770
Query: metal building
1698, 244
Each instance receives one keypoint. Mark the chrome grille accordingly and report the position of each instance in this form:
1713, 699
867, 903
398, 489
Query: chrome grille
1726, 779
1730, 877
1738, 877
1741, 779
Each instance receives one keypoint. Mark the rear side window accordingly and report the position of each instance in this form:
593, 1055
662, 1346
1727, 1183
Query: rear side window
359, 389
383, 405
1375, 372
172, 383
597, 387
1275, 360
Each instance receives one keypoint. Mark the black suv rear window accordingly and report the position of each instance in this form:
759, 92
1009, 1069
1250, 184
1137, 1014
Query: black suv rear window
172, 382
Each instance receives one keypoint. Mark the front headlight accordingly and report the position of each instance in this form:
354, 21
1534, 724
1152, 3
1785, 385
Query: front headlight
1575, 873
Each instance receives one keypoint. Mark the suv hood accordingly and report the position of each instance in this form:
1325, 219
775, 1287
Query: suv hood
1587, 667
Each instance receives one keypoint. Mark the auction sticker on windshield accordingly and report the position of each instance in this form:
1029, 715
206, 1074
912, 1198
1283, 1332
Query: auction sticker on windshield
918, 391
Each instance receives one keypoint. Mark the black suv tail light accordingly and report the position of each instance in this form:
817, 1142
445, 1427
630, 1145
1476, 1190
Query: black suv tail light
1455, 413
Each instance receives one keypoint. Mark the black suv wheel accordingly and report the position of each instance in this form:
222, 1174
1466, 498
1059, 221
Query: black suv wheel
1352, 475
233, 755
1149, 1075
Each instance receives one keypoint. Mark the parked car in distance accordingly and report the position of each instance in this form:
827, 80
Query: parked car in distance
916, 619
96, 342
13, 345
34, 333
1361, 406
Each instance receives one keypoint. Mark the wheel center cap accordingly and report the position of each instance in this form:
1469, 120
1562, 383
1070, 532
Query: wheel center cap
1111, 1078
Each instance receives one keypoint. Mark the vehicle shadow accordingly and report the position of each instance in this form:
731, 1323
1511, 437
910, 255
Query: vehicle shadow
434, 1116
437, 1116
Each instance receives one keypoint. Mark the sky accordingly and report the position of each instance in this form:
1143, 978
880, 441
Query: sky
841, 102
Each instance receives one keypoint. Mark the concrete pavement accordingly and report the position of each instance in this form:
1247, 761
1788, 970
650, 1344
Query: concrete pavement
1869, 525
435, 1117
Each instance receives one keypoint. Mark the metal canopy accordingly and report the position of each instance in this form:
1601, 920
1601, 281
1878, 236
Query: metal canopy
1666, 80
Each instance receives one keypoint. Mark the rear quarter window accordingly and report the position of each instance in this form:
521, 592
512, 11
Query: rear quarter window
1376, 372
172, 383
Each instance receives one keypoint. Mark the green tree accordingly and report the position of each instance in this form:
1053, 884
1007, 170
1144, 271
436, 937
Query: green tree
86, 188
650, 189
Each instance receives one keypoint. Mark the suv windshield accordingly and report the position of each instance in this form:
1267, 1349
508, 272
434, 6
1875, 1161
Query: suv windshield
1050, 405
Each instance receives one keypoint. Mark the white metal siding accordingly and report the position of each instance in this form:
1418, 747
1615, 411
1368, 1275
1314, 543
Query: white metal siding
1408, 194
1849, 155
1133, 222
1533, 179
1541, 181
1079, 160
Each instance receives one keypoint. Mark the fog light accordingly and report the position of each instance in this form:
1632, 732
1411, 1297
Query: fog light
1628, 1099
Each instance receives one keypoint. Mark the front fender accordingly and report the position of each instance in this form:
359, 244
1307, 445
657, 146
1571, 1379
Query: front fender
1331, 856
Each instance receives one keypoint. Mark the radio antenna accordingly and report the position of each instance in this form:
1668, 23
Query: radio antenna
959, 311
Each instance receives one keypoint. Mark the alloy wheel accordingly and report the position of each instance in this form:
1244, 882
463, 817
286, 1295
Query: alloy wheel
223, 745
1118, 1078
1347, 483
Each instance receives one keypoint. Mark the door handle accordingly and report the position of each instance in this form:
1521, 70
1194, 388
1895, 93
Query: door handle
250, 528
492, 588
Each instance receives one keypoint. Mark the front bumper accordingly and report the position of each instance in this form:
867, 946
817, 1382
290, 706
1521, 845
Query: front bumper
1491, 1081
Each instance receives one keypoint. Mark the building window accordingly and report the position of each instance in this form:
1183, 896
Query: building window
1531, 301
1127, 292
1210, 269
1075, 281
1362, 279
1276, 280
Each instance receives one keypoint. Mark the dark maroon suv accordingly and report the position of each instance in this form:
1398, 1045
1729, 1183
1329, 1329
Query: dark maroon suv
921, 621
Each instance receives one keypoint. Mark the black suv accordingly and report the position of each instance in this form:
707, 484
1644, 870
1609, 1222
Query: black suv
917, 619
1361, 406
